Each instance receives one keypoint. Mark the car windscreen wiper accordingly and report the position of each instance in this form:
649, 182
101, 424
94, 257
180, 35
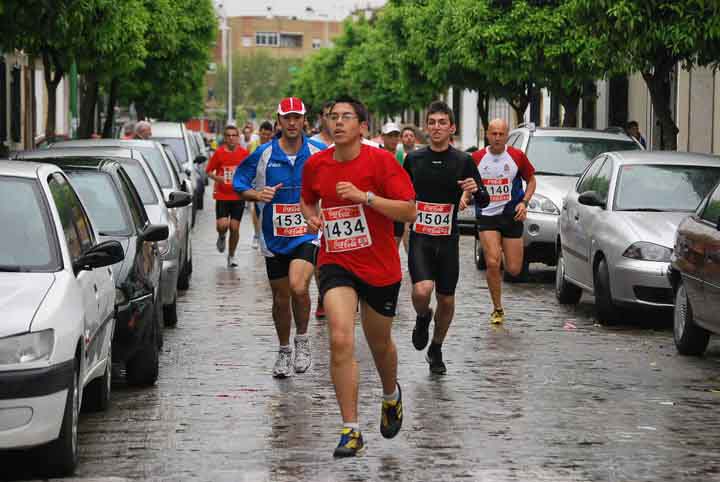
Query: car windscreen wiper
548, 173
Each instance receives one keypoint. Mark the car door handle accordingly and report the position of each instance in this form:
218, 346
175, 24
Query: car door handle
95, 288
576, 217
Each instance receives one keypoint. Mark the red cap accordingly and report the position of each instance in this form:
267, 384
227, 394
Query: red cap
291, 105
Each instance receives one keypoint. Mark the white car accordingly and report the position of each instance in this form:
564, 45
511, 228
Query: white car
57, 297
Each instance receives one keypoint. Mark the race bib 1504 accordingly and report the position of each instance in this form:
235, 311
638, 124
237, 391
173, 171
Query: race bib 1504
288, 221
345, 228
434, 219
499, 189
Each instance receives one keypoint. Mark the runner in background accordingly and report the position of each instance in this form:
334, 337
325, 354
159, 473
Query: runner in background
265, 133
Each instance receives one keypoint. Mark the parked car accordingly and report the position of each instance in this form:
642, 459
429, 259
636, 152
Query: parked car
57, 307
617, 227
695, 277
559, 156
204, 152
117, 212
173, 251
169, 179
177, 136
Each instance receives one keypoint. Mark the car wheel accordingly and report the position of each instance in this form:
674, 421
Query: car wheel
690, 339
522, 277
96, 396
62, 453
184, 278
170, 314
565, 292
143, 368
194, 214
605, 310
479, 256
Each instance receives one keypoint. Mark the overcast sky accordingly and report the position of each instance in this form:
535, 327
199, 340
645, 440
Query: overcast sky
335, 9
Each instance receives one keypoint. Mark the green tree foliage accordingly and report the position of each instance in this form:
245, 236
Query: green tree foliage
259, 82
653, 36
179, 41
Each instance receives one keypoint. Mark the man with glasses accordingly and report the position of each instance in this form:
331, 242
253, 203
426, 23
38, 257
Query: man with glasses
272, 177
440, 175
353, 192
229, 206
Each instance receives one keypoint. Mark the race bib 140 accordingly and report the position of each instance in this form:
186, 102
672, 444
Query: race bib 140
499, 189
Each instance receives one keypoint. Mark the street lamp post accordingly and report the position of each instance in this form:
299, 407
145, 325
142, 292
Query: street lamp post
227, 54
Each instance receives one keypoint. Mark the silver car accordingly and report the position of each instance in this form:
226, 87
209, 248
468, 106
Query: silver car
559, 155
617, 227
170, 182
159, 210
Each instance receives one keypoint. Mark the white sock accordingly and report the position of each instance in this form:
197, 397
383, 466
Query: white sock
285, 348
355, 426
393, 396
303, 337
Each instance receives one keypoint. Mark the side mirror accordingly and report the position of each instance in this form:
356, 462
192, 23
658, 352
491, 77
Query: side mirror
591, 198
103, 254
178, 199
200, 159
155, 232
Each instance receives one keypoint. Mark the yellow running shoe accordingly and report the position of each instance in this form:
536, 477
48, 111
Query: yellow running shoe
497, 317
351, 443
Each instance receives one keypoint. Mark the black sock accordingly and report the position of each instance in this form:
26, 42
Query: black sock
427, 317
435, 347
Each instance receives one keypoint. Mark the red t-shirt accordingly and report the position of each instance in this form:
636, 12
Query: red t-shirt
355, 236
223, 164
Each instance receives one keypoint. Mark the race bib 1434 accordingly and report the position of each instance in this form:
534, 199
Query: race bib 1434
345, 228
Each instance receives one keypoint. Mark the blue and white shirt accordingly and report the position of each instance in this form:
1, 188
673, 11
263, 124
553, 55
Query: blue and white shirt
281, 221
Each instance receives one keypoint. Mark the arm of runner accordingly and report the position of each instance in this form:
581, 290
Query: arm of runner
521, 208
311, 213
265, 195
397, 210
480, 196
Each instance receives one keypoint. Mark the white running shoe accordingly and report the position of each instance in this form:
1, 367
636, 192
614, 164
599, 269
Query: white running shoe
231, 263
303, 357
283, 364
220, 244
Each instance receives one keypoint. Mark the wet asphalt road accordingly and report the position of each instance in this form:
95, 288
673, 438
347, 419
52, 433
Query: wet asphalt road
535, 400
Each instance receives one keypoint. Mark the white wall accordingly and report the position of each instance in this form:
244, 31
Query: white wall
469, 119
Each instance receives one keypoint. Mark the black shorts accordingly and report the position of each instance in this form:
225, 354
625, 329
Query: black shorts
231, 209
436, 259
382, 299
278, 266
505, 224
398, 229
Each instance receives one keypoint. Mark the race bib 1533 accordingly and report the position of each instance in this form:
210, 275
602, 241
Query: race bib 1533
288, 221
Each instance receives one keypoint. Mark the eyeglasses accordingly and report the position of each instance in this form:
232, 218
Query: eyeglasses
232, 135
346, 116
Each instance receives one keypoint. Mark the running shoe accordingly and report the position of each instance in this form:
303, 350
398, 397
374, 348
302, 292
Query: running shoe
391, 416
435, 360
497, 317
231, 263
303, 357
420, 334
320, 312
351, 443
283, 364
220, 244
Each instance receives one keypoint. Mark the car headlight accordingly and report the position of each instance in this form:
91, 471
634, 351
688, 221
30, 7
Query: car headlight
541, 204
648, 252
26, 348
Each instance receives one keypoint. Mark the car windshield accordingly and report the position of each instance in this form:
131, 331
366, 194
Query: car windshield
177, 145
140, 180
102, 201
26, 242
157, 163
663, 187
569, 156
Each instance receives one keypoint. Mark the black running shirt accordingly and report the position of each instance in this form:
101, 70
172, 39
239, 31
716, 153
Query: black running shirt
435, 176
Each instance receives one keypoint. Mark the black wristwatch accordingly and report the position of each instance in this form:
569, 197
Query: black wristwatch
524, 202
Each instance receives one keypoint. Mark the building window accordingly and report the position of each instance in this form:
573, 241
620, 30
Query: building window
291, 40
317, 43
269, 39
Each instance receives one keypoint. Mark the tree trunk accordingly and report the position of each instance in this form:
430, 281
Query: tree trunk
110, 117
658, 83
90, 88
140, 110
53, 73
483, 108
571, 103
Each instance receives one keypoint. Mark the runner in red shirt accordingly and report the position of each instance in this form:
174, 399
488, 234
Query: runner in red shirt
362, 190
229, 206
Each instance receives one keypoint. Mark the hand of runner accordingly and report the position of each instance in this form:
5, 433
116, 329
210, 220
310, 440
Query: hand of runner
314, 224
464, 200
468, 185
520, 212
268, 193
348, 191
